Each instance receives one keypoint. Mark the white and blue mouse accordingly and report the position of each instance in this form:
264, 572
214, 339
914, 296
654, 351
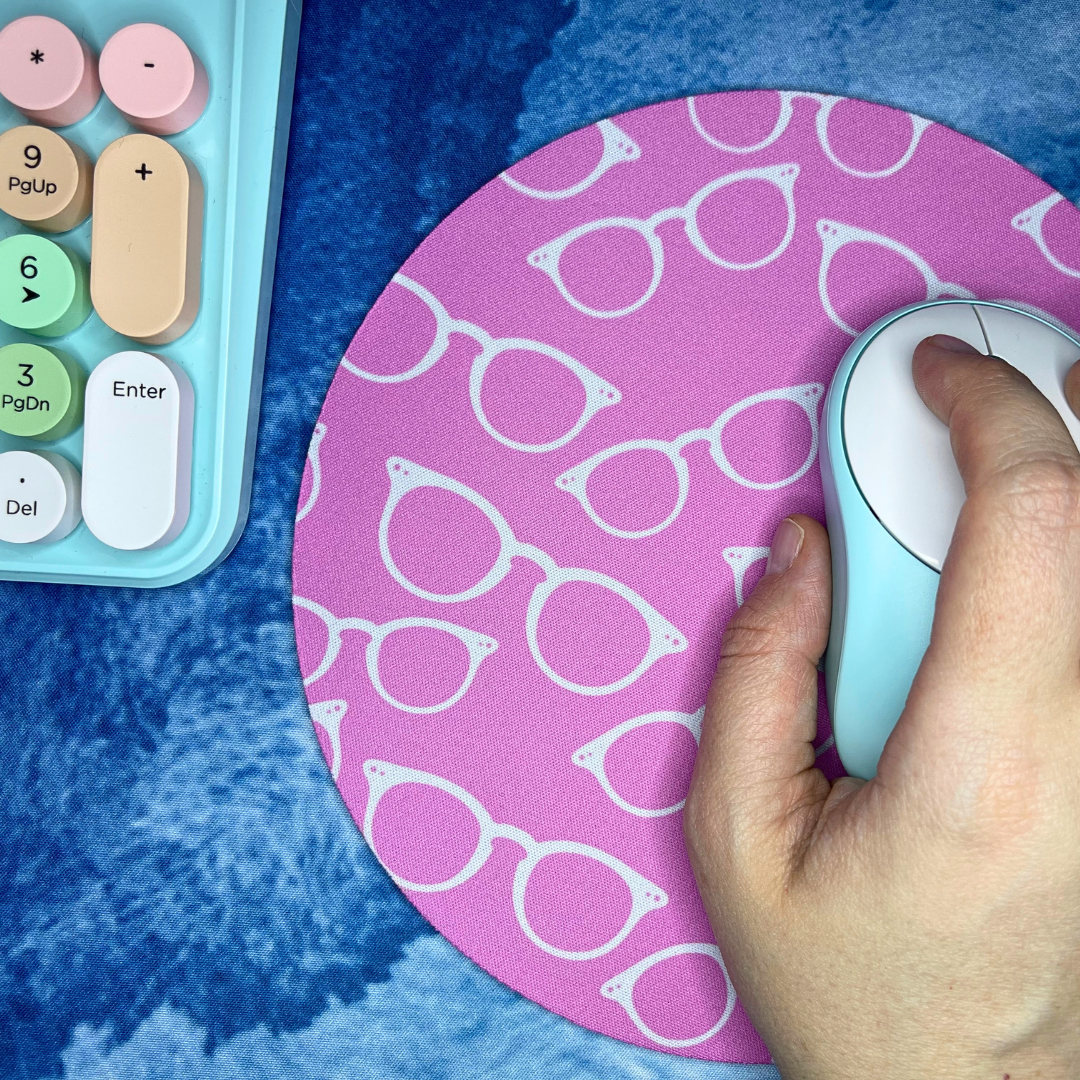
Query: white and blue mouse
892, 496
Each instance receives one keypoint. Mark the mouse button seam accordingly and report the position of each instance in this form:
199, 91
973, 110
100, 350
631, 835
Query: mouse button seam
982, 327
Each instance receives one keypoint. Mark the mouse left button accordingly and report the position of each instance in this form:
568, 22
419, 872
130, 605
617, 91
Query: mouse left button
898, 451
46, 72
39, 497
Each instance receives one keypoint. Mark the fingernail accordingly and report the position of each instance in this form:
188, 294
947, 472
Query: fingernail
786, 545
951, 344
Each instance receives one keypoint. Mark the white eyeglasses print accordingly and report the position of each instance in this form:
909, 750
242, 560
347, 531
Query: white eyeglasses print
835, 235
478, 646
328, 715
826, 103
620, 988
1030, 221
576, 480
617, 148
383, 776
547, 257
740, 559
407, 476
591, 755
598, 392
316, 471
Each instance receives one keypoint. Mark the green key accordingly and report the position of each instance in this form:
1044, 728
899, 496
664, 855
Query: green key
44, 288
41, 392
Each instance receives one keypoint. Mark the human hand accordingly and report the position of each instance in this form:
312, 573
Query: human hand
924, 924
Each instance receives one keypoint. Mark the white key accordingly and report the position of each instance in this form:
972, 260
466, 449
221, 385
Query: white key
39, 497
137, 450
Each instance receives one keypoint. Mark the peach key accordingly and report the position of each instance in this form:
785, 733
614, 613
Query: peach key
46, 182
147, 239
46, 72
154, 79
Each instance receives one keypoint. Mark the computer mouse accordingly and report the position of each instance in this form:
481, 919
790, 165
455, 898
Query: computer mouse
892, 496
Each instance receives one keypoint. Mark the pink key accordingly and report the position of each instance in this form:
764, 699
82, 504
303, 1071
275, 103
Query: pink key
46, 72
154, 79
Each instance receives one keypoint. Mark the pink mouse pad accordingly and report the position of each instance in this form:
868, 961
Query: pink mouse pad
547, 472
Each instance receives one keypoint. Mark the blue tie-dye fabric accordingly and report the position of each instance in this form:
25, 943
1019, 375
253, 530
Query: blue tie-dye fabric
182, 893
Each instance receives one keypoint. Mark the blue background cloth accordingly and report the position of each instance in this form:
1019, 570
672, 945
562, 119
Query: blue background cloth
182, 893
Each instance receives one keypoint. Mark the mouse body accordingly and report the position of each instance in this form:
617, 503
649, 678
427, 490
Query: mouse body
892, 496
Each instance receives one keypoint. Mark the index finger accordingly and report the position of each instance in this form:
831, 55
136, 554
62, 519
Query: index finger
1010, 585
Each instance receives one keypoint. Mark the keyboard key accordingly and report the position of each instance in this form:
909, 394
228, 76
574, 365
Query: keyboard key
46, 182
39, 497
41, 392
147, 239
46, 72
137, 450
154, 79
44, 287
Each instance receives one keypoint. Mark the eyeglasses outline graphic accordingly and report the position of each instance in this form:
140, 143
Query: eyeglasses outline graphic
383, 776
479, 647
835, 235
546, 257
598, 392
617, 148
575, 480
328, 715
826, 103
316, 471
620, 988
406, 476
740, 559
1030, 222
591, 756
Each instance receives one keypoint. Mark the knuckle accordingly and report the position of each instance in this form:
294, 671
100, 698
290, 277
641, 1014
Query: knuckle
751, 631
999, 376
1042, 492
982, 378
759, 633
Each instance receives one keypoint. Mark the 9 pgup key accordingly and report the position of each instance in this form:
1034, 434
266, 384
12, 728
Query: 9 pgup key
46, 182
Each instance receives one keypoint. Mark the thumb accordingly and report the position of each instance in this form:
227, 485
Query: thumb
756, 796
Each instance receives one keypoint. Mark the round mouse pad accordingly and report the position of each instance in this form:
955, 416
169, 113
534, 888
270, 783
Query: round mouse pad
547, 472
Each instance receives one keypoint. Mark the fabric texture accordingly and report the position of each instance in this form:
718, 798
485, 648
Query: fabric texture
184, 893
596, 382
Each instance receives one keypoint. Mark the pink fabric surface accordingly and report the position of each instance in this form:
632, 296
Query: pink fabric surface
506, 652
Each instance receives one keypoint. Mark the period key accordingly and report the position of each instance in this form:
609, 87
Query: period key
136, 479
39, 497
147, 239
